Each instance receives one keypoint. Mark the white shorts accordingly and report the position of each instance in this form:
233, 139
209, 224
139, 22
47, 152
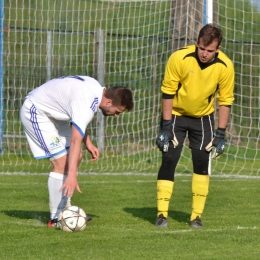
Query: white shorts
47, 137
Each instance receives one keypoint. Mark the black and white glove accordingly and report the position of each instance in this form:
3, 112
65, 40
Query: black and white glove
218, 142
165, 136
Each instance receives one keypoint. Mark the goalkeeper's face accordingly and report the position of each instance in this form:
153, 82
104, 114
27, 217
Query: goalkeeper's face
110, 110
207, 53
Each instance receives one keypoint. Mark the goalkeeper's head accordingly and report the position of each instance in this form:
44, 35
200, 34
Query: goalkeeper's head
210, 33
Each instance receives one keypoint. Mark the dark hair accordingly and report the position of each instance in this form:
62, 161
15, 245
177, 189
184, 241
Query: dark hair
210, 33
120, 96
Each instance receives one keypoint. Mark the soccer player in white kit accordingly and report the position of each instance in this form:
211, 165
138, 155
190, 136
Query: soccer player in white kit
55, 117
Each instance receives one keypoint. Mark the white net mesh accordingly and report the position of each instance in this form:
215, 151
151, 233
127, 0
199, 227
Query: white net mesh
48, 39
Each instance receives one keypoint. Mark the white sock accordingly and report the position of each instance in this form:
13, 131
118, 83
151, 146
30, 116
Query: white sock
57, 200
68, 202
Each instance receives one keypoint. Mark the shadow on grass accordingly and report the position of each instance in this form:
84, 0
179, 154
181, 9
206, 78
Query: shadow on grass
42, 216
149, 214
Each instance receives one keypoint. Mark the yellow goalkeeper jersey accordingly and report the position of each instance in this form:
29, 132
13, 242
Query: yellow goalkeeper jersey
194, 84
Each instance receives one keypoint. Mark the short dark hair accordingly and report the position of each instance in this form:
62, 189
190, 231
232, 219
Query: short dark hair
210, 33
120, 96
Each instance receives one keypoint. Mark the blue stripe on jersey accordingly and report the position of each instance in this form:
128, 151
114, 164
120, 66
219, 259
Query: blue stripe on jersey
37, 130
82, 134
74, 77
94, 104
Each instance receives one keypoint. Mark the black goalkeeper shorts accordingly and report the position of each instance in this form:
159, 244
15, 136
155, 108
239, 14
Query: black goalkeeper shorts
198, 130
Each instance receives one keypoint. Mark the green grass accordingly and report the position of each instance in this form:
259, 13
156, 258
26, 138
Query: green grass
123, 208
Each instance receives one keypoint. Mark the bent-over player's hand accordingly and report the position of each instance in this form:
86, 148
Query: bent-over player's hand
165, 136
70, 184
218, 142
93, 150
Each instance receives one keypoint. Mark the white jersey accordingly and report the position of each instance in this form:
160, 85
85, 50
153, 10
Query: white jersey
71, 98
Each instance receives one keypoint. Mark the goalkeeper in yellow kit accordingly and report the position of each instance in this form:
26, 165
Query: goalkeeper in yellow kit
193, 75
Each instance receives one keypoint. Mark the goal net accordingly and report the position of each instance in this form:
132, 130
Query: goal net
125, 43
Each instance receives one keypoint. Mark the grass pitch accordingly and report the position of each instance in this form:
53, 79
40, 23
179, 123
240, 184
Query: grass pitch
123, 208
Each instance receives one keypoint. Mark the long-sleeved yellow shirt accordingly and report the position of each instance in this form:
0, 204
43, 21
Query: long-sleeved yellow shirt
194, 83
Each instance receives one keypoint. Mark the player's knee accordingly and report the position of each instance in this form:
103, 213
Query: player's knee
60, 164
169, 162
201, 167
200, 160
167, 158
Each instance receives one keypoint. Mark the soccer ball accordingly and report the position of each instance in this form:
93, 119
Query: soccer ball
72, 219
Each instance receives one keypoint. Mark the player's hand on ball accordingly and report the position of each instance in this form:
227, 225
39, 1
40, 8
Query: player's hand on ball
165, 136
70, 184
218, 142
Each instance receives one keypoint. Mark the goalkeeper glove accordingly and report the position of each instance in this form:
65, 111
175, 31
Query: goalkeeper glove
218, 142
165, 136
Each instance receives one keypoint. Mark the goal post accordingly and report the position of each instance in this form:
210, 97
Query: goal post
47, 39
208, 12
1, 74
100, 75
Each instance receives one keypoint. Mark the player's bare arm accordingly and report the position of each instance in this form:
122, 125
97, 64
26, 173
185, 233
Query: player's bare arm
92, 149
71, 182
167, 109
223, 114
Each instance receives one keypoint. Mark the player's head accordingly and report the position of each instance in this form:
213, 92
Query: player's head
210, 33
208, 44
116, 100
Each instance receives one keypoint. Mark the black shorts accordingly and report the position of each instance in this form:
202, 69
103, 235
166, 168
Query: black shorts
199, 130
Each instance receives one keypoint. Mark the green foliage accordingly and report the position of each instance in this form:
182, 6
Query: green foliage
123, 208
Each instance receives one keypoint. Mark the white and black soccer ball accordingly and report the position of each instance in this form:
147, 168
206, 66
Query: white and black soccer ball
72, 219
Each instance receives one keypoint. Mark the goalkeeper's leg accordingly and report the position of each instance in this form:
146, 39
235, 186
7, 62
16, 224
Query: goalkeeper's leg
200, 182
165, 181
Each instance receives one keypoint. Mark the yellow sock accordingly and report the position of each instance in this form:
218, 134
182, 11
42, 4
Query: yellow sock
200, 188
164, 193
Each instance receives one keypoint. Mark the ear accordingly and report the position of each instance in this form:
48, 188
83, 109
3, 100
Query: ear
219, 47
108, 102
